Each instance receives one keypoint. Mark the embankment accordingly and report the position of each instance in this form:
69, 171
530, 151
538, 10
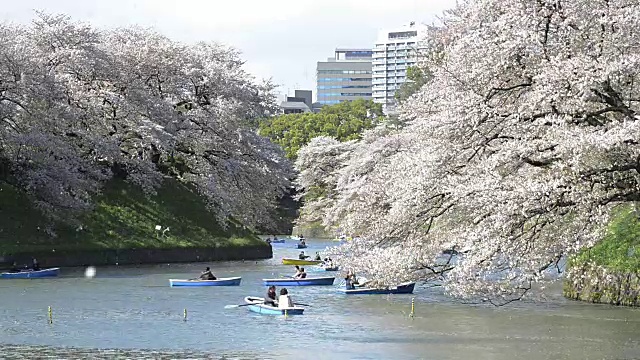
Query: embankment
597, 284
609, 272
125, 227
140, 256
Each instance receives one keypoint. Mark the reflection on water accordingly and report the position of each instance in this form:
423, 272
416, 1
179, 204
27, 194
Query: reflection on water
134, 308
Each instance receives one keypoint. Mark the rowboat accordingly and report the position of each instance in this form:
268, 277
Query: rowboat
231, 281
301, 246
321, 268
30, 274
257, 305
287, 261
404, 288
277, 241
299, 282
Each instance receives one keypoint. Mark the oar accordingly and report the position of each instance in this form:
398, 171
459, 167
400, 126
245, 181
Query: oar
240, 305
236, 306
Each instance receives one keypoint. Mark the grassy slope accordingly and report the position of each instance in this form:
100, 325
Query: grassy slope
620, 248
123, 218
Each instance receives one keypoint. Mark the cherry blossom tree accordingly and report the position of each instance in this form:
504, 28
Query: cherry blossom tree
79, 106
514, 154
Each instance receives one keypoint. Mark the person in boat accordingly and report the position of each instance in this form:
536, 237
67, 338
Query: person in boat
328, 263
348, 284
14, 268
284, 301
34, 265
207, 275
275, 238
270, 298
318, 258
302, 256
301, 275
298, 271
350, 280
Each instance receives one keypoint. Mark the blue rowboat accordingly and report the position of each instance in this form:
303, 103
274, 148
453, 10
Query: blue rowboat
30, 274
299, 282
300, 246
335, 268
257, 305
277, 241
232, 281
404, 288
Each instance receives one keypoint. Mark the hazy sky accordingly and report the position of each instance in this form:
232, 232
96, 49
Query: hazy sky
279, 39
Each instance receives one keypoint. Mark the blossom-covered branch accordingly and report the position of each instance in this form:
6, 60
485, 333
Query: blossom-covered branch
515, 153
80, 105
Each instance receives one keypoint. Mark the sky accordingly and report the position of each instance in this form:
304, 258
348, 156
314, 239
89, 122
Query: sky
280, 40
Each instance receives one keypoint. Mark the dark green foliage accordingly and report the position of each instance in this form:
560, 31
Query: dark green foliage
345, 121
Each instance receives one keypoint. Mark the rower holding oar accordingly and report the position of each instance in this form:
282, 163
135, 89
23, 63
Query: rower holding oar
207, 275
298, 272
301, 274
350, 280
270, 299
35, 266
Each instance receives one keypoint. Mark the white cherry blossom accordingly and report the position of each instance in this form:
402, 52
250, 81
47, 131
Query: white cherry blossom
513, 154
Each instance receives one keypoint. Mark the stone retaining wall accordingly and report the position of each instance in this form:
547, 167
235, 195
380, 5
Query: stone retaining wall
593, 283
141, 256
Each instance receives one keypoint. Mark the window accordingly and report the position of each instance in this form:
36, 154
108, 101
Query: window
342, 79
344, 72
326, 87
358, 54
403, 34
355, 94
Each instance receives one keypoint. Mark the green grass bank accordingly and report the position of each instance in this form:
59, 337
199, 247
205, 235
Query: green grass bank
122, 229
609, 272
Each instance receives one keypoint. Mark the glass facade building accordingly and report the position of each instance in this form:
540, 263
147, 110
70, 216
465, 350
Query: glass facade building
345, 77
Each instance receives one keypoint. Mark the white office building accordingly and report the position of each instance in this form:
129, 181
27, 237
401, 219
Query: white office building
394, 51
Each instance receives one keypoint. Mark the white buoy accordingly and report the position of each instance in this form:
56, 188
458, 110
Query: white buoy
90, 272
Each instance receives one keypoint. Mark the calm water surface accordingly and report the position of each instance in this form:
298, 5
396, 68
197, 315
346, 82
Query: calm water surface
132, 313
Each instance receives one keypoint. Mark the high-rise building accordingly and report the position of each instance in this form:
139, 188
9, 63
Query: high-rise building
345, 77
394, 51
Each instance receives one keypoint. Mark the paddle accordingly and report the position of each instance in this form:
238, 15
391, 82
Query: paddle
237, 306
